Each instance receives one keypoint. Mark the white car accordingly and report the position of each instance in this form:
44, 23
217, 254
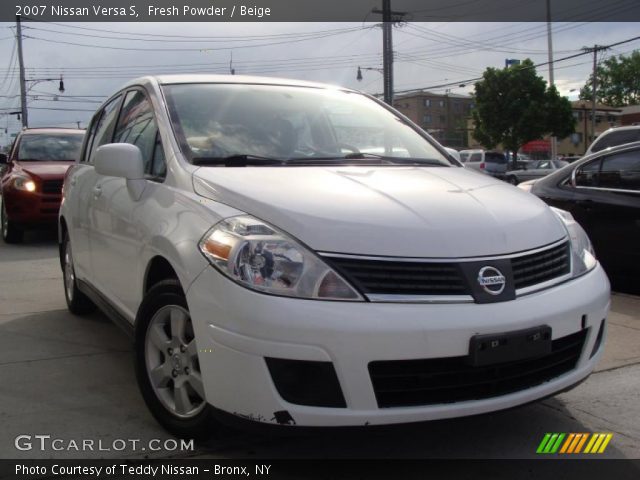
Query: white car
614, 137
272, 269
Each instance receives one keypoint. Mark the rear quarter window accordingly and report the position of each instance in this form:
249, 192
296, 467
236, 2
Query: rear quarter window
616, 138
495, 158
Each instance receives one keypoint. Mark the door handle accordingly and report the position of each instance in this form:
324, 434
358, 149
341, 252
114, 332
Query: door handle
73, 181
97, 191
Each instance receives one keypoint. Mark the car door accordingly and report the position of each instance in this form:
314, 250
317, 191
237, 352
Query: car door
80, 184
117, 237
608, 206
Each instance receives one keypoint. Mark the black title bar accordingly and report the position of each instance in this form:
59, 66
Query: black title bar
319, 10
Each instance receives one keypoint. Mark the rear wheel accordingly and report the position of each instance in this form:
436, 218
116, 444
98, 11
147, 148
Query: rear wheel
10, 232
77, 302
167, 365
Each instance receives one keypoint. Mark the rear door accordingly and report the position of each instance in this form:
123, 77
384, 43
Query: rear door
82, 180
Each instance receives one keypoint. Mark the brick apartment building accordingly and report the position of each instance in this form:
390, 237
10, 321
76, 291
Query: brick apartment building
443, 116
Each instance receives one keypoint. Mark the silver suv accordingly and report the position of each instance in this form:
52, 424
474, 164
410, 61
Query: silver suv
489, 162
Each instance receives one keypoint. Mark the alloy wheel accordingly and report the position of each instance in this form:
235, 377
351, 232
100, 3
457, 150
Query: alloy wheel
171, 358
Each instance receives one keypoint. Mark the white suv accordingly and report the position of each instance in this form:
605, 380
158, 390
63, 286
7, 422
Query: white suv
295, 253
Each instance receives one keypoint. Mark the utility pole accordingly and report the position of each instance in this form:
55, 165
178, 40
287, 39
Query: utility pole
594, 98
595, 89
387, 47
554, 140
23, 85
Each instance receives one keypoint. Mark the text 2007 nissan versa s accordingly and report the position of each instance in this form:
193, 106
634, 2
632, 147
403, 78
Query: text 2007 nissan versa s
300, 254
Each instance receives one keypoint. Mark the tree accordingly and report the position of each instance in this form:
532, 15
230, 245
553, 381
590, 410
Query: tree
513, 106
618, 81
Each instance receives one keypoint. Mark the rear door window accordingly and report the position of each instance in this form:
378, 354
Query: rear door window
104, 128
495, 158
617, 138
621, 171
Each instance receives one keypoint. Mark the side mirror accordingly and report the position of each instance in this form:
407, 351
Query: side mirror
121, 160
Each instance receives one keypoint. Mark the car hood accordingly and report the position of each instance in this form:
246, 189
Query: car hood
394, 211
46, 170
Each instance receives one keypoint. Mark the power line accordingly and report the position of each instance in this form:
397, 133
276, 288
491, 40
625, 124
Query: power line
469, 80
110, 47
272, 35
244, 39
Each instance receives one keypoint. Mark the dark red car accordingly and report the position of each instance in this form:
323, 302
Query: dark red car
31, 182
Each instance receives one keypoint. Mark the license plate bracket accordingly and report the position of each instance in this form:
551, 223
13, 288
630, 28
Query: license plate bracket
509, 346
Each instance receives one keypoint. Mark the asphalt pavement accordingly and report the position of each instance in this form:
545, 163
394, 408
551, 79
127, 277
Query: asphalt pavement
71, 379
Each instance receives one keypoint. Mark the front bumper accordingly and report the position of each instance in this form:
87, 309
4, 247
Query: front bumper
31, 208
236, 329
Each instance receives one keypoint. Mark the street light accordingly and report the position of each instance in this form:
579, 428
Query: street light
359, 75
34, 82
40, 80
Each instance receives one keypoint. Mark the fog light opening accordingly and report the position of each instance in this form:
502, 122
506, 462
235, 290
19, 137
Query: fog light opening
596, 345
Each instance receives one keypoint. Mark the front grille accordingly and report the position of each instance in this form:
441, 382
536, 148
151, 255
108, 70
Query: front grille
401, 278
391, 277
404, 383
52, 186
541, 266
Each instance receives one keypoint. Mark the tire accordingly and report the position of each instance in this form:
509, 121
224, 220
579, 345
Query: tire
10, 232
165, 350
512, 180
77, 302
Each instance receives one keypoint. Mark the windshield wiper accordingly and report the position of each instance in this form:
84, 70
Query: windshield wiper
368, 159
239, 160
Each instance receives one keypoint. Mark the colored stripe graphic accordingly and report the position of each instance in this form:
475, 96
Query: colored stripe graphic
606, 442
543, 443
567, 442
581, 442
573, 443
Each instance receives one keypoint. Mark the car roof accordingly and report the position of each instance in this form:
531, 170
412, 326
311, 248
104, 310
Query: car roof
616, 129
238, 79
51, 130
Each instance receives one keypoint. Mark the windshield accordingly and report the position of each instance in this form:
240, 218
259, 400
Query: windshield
216, 121
50, 147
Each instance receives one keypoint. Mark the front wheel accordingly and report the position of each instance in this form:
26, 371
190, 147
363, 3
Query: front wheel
512, 180
167, 366
10, 232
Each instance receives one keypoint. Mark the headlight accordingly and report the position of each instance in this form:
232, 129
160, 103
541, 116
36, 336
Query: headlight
259, 257
583, 256
24, 183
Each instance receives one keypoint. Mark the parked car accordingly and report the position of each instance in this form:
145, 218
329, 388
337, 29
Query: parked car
491, 163
269, 269
31, 183
534, 169
614, 137
602, 192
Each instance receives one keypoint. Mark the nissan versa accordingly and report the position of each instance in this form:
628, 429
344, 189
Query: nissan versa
300, 254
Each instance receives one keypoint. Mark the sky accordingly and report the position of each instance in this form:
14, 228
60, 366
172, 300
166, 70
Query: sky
95, 59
